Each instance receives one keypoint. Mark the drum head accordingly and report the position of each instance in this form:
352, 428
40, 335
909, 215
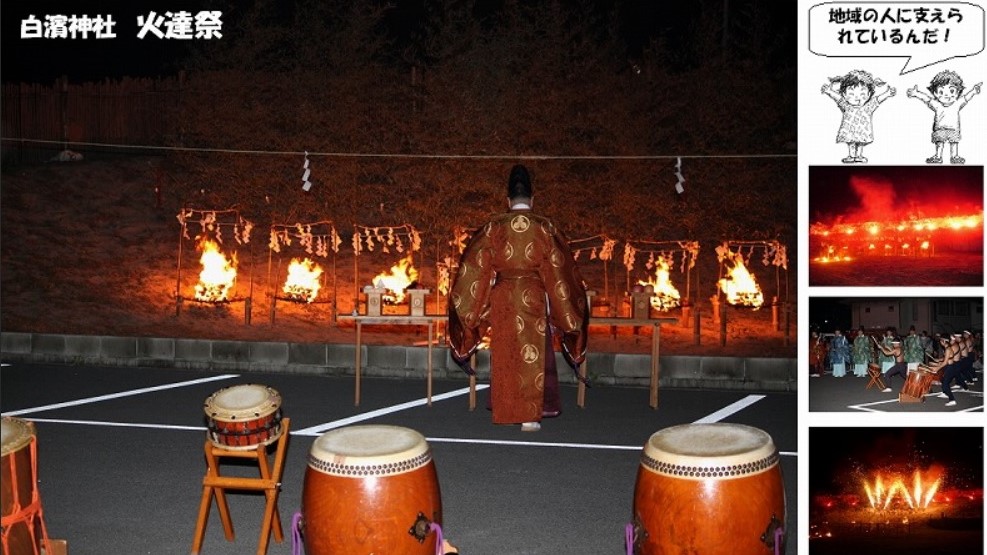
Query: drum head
703, 451
369, 451
15, 434
242, 402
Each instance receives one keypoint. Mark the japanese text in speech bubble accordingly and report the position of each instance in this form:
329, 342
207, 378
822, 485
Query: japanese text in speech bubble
924, 32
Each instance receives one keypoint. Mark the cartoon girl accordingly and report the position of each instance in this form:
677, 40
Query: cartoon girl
946, 101
854, 94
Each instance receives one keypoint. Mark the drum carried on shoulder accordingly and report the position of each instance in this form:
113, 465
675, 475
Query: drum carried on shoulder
21, 520
371, 489
714, 489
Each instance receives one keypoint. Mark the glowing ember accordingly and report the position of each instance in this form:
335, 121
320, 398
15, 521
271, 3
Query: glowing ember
302, 282
218, 275
919, 496
666, 296
739, 285
396, 280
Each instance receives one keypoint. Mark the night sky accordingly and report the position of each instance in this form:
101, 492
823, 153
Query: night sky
893, 192
837, 452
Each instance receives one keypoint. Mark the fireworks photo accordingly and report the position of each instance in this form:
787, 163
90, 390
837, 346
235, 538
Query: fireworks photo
896, 490
896, 225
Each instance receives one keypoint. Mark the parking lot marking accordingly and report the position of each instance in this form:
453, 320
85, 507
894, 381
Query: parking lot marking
130, 393
318, 430
730, 409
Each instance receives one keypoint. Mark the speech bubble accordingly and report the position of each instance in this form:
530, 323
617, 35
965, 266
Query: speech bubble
926, 33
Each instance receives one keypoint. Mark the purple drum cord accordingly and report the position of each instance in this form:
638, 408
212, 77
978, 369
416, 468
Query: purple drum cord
629, 539
296, 534
297, 544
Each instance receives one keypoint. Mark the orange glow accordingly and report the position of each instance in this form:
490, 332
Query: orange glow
920, 496
666, 296
218, 273
397, 279
302, 282
739, 285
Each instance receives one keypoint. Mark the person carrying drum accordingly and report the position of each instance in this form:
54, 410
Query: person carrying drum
518, 278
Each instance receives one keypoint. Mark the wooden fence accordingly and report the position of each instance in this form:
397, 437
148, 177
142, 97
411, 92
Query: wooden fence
40, 121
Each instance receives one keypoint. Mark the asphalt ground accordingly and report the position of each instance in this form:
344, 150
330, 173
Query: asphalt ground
850, 393
121, 463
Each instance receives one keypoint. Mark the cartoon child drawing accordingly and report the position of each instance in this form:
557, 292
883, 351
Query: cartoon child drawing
854, 94
946, 100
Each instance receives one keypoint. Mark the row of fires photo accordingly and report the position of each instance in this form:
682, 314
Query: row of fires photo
312, 277
896, 490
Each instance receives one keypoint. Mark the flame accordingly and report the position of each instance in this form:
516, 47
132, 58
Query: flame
920, 495
397, 279
302, 282
666, 296
218, 273
739, 286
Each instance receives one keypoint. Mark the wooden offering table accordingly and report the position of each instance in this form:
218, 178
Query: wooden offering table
655, 344
360, 321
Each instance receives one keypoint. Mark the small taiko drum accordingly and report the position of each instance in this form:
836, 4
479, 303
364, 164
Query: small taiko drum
917, 384
710, 489
371, 489
242, 417
21, 519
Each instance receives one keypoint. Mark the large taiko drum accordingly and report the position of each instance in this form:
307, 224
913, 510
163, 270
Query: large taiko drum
709, 489
21, 518
370, 489
917, 384
241, 417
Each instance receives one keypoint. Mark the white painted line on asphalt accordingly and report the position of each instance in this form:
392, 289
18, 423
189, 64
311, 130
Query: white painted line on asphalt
119, 424
730, 409
533, 443
130, 393
321, 428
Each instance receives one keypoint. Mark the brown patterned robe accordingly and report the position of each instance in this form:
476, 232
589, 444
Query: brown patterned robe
514, 265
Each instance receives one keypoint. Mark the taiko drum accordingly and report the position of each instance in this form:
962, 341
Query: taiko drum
370, 489
241, 417
21, 518
709, 489
917, 383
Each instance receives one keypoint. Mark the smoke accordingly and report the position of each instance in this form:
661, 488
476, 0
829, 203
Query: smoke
877, 199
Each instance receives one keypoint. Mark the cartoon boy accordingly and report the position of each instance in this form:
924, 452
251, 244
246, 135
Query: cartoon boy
854, 94
946, 101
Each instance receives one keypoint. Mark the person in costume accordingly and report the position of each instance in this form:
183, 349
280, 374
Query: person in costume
914, 352
839, 353
863, 353
518, 279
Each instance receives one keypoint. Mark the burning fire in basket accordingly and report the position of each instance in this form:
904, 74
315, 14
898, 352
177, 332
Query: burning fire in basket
922, 492
739, 285
666, 296
395, 281
302, 283
218, 275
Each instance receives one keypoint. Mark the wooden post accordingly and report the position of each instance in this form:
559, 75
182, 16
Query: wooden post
655, 364
696, 329
723, 324
356, 399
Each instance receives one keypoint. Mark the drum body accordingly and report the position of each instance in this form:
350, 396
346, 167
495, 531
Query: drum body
370, 489
709, 489
20, 504
241, 417
917, 384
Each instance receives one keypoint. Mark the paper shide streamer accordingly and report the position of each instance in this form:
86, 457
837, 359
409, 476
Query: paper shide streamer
306, 184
